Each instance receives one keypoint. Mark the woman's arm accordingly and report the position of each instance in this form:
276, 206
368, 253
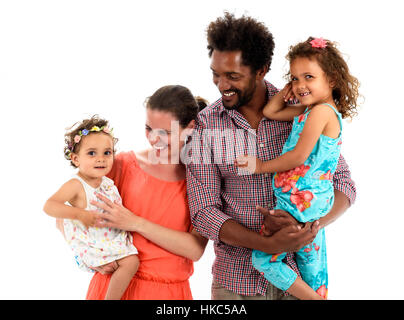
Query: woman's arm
55, 206
187, 244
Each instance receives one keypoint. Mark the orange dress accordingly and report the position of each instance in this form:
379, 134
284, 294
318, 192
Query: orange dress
161, 275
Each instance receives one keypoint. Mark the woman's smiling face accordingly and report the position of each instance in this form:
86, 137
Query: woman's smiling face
165, 134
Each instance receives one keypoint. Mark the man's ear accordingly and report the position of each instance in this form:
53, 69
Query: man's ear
260, 74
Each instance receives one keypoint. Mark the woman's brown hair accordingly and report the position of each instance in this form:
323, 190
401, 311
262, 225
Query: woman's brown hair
179, 101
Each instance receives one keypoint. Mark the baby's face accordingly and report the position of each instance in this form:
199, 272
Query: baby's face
96, 155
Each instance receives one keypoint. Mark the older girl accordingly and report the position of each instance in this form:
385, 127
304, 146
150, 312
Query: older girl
320, 79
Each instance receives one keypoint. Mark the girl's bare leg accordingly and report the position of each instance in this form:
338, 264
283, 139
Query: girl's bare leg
122, 276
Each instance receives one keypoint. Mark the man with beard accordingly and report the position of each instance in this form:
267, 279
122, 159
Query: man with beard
223, 200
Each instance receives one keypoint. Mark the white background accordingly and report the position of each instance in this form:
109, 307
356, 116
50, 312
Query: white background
63, 60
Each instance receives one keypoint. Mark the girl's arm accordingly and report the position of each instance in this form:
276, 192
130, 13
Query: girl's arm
187, 244
55, 206
315, 124
278, 109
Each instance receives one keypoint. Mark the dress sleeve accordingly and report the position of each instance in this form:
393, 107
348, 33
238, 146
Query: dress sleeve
342, 180
203, 189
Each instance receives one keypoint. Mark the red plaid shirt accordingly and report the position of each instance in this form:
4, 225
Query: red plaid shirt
217, 191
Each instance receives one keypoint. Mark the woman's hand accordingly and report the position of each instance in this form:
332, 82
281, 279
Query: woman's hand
115, 215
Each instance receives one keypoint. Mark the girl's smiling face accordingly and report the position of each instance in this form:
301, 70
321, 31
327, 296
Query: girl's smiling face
95, 156
310, 84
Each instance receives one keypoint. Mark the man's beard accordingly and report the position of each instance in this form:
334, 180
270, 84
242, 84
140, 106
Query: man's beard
243, 98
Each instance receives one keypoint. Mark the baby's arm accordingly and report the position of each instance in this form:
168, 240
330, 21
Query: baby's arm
278, 109
69, 192
315, 124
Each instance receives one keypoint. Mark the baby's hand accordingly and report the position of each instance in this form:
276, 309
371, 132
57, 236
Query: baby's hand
88, 218
250, 163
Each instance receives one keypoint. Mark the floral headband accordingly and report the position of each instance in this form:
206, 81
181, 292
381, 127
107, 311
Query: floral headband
84, 132
318, 43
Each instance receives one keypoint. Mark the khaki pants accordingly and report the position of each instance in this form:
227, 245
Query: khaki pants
273, 293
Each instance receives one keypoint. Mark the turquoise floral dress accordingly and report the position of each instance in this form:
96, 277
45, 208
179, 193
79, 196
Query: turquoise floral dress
307, 193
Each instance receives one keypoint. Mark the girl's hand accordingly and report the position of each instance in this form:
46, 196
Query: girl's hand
115, 215
251, 163
287, 92
88, 218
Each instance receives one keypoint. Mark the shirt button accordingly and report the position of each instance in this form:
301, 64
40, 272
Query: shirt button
261, 145
266, 175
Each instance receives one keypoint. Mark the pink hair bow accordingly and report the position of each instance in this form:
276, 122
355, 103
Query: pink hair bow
318, 43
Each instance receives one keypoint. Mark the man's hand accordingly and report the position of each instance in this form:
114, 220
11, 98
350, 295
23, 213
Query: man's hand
288, 232
274, 220
292, 238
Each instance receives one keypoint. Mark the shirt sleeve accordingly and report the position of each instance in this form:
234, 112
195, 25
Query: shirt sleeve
342, 180
203, 189
204, 201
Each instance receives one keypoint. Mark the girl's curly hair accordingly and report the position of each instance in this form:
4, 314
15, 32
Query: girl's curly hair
345, 92
71, 146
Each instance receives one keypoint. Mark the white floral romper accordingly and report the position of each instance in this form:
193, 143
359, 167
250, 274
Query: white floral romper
94, 247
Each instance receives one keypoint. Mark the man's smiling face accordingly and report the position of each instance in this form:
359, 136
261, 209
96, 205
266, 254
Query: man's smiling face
235, 81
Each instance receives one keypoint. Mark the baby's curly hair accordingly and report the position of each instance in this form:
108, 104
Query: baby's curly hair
345, 92
87, 124
244, 34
